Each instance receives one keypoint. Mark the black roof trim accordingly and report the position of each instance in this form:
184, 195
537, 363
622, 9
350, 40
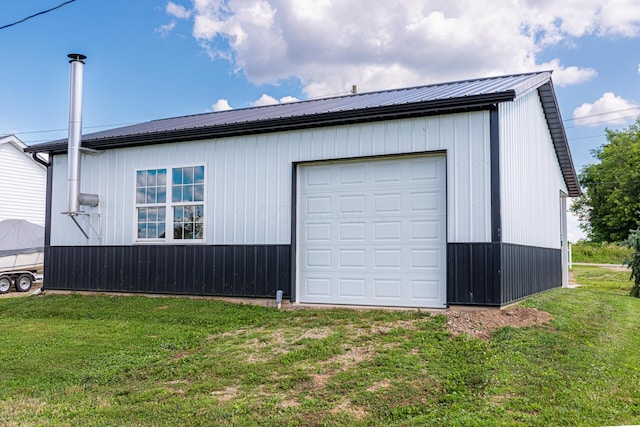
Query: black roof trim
559, 138
370, 114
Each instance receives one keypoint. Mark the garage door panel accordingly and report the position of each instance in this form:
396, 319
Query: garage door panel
352, 231
318, 206
318, 286
350, 204
318, 258
425, 290
351, 259
387, 203
387, 230
352, 174
426, 230
376, 235
352, 287
387, 289
320, 231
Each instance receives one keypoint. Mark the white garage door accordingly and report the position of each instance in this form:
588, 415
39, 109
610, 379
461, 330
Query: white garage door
373, 232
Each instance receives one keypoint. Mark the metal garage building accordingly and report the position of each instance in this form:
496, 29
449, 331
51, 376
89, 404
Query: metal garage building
451, 193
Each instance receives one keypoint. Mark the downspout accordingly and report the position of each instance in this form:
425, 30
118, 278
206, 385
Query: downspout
47, 214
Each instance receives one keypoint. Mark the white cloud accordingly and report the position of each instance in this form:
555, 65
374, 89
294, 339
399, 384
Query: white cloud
609, 109
331, 44
221, 105
177, 10
286, 99
166, 29
270, 100
264, 100
566, 76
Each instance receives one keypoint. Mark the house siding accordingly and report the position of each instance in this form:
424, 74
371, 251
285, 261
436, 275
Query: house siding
214, 270
249, 189
531, 180
22, 186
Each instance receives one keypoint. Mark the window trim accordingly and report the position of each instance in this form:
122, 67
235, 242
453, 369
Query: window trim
168, 205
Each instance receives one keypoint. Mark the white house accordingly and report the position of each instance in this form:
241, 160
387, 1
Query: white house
451, 193
23, 182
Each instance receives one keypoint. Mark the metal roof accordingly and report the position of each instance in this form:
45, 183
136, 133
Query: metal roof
439, 98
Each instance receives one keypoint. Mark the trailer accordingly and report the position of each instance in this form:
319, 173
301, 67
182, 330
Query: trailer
21, 270
21, 255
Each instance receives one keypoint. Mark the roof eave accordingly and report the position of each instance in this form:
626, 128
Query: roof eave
559, 137
363, 115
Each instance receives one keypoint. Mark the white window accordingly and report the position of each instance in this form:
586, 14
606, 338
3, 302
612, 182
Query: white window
179, 217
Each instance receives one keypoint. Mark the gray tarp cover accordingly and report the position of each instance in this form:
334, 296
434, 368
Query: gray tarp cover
18, 236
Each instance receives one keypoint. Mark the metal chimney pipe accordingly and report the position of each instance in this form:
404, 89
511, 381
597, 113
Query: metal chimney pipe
75, 132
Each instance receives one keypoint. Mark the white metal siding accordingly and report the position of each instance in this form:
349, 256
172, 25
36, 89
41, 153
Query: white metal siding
22, 186
530, 179
248, 198
373, 232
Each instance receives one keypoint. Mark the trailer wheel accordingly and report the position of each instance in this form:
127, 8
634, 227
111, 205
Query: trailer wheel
24, 282
5, 284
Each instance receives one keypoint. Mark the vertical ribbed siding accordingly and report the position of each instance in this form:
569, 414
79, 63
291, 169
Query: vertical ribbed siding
529, 270
236, 270
531, 179
248, 189
473, 273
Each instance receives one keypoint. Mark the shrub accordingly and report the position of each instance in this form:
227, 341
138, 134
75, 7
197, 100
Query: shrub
600, 253
633, 261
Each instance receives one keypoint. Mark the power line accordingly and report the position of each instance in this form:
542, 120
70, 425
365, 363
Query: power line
66, 129
636, 108
37, 14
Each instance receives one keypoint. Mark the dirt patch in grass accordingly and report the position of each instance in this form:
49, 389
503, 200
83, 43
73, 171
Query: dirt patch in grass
346, 407
480, 324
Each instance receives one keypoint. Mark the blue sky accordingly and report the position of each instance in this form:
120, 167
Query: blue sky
150, 59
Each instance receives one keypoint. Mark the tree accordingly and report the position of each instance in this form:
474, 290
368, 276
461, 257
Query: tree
634, 262
610, 205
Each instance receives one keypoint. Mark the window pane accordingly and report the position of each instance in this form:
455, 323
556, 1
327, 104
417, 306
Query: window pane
176, 195
178, 214
152, 230
151, 178
177, 176
198, 213
187, 193
197, 233
151, 189
198, 193
140, 195
141, 179
151, 195
162, 177
177, 231
198, 174
161, 194
187, 175
188, 231
153, 214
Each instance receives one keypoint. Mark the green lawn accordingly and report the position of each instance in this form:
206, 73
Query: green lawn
75, 360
